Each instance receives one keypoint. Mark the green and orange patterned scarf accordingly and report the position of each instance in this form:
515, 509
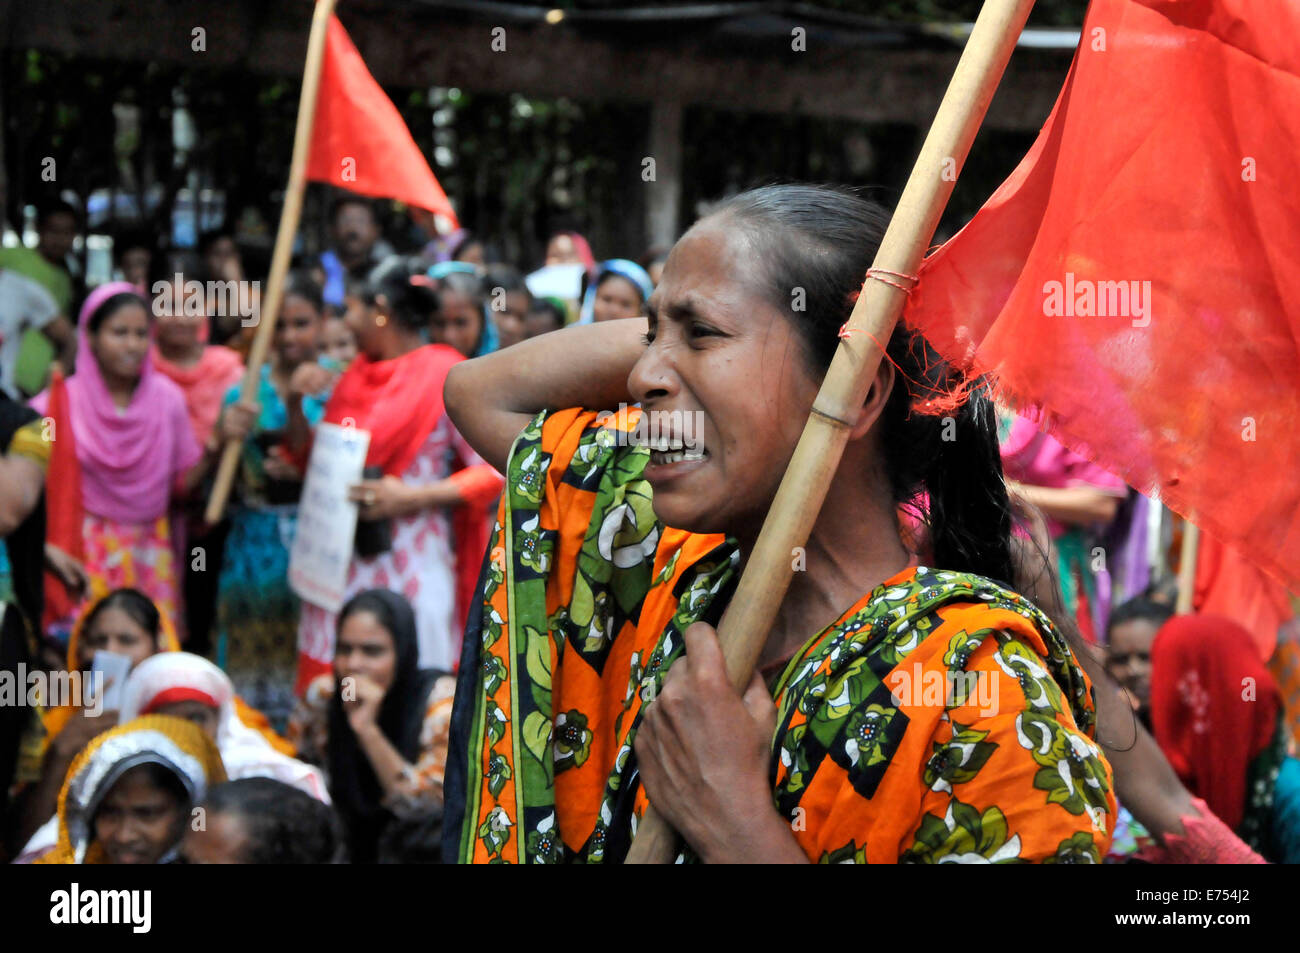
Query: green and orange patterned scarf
585, 602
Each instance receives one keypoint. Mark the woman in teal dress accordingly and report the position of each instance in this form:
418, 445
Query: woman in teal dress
257, 612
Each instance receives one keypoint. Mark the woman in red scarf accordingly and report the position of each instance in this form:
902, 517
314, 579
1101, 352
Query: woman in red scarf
1217, 715
204, 372
393, 390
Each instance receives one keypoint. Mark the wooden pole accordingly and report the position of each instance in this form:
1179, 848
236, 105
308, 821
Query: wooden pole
744, 627
289, 217
1187, 567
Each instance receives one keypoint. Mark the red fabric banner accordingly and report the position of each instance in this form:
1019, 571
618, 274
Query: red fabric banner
64, 513
360, 142
1138, 276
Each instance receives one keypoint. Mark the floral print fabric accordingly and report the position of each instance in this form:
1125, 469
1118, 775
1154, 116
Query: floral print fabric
585, 601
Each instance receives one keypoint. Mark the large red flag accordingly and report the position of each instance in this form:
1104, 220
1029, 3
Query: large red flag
1138, 275
359, 141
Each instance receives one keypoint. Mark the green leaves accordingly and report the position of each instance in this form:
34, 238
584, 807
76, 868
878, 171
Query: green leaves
957, 760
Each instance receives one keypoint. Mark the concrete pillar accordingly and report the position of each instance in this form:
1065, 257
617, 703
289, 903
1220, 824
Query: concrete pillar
664, 194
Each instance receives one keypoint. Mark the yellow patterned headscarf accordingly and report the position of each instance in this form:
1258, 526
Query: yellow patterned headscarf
178, 745
55, 719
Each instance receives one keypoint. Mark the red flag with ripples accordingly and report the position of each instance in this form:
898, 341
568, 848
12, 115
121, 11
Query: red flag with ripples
359, 140
1137, 277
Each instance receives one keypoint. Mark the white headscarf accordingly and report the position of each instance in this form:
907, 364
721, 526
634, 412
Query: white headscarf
180, 676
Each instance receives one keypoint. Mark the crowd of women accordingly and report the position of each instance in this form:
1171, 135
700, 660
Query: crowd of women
523, 662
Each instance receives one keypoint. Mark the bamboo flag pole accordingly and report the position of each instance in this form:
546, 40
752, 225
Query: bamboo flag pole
744, 627
289, 217
1187, 567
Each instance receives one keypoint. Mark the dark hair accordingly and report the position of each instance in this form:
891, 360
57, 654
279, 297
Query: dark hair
284, 825
823, 239
1137, 608
211, 237
654, 255
303, 285
402, 282
607, 275
135, 604
161, 777
506, 277
48, 208
344, 201
111, 305
133, 237
463, 283
549, 307
357, 793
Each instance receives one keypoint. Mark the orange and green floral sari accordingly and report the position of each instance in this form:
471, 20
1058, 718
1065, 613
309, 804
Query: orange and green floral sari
942, 718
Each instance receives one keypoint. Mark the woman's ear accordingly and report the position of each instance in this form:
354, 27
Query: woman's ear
877, 398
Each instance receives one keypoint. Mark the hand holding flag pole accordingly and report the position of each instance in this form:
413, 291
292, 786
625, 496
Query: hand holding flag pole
744, 626
289, 218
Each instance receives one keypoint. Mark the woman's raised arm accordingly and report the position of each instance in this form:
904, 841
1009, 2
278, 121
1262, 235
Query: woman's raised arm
491, 398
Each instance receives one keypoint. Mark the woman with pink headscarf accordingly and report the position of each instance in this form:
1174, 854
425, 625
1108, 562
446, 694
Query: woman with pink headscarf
134, 445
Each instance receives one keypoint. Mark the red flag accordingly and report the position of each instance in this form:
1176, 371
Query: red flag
63, 509
359, 141
1138, 276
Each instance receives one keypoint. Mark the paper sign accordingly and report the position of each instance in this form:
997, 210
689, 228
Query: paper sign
109, 669
327, 519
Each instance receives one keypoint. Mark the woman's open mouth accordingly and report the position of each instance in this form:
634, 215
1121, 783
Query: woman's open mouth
668, 450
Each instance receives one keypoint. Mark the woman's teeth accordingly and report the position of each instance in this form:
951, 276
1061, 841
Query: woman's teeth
667, 453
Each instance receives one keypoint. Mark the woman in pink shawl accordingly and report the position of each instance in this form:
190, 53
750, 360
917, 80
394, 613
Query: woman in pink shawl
1078, 500
134, 445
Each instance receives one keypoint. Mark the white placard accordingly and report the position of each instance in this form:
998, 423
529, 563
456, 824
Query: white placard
327, 519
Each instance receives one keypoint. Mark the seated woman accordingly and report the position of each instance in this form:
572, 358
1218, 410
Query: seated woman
126, 622
1218, 717
386, 733
128, 795
261, 821
190, 687
591, 675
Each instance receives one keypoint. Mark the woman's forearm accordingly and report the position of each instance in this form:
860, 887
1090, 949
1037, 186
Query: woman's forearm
297, 434
385, 760
1075, 505
491, 398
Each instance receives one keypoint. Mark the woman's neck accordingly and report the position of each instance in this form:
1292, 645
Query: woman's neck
185, 354
842, 561
398, 344
120, 389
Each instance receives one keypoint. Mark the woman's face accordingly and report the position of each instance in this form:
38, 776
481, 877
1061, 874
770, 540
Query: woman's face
1128, 657
337, 341
722, 355
616, 297
359, 318
512, 321
180, 317
365, 647
205, 716
297, 331
135, 266
560, 250
138, 822
222, 839
113, 630
458, 323
121, 343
